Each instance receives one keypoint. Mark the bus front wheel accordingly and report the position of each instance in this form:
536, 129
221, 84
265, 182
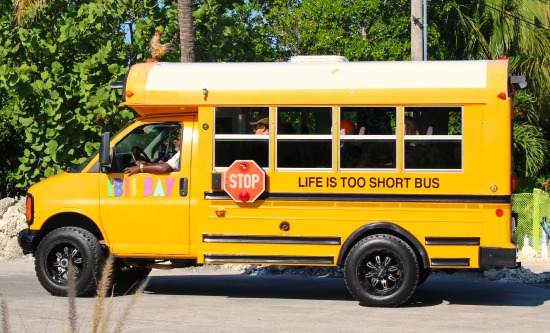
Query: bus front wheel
69, 252
381, 270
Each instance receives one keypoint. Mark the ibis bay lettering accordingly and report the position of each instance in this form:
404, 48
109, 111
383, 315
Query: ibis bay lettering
131, 187
372, 182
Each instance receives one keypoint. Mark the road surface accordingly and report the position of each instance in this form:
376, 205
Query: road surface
224, 300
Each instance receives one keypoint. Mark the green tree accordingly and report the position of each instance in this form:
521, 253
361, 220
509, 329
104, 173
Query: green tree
55, 72
230, 31
359, 30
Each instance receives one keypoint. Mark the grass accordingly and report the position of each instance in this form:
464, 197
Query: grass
103, 304
5, 319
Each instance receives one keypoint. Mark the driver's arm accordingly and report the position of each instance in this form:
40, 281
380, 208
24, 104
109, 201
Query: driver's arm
149, 168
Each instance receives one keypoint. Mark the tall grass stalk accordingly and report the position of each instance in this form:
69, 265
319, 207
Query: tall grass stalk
5, 318
102, 313
102, 288
71, 295
122, 321
107, 313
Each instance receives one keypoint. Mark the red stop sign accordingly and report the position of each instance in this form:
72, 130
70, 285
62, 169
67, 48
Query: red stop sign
244, 181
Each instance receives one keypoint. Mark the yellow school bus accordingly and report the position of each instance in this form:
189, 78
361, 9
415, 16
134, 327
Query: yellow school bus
386, 169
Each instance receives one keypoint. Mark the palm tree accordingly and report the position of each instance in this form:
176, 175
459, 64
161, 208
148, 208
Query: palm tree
518, 29
187, 36
530, 147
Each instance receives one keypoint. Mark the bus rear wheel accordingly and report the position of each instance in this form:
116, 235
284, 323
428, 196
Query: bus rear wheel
381, 270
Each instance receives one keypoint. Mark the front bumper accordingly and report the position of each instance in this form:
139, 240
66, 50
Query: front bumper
490, 257
25, 240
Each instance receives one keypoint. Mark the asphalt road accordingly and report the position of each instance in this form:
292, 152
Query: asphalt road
221, 300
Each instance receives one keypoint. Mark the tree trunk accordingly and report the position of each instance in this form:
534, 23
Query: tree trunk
417, 20
187, 35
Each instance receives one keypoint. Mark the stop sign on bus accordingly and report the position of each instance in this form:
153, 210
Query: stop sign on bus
244, 181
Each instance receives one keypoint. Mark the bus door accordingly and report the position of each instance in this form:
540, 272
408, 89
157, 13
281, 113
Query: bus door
145, 213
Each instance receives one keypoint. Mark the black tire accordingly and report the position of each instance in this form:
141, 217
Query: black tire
69, 244
381, 270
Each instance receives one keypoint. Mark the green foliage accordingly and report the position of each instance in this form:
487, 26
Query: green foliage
230, 31
55, 74
359, 30
142, 18
530, 146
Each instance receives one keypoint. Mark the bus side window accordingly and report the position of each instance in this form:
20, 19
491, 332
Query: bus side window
304, 138
438, 144
375, 145
235, 139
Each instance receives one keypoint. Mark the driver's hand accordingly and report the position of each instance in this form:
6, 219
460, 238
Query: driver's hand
132, 170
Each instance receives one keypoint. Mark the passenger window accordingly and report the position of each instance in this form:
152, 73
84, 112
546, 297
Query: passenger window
367, 138
304, 139
241, 133
149, 143
436, 142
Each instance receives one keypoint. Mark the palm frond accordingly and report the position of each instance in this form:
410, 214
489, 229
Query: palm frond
530, 140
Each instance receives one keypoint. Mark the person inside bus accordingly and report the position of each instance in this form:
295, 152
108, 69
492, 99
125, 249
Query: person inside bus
261, 127
350, 152
410, 126
260, 149
347, 127
157, 168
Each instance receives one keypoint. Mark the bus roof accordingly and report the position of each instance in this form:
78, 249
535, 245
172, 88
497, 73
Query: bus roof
154, 85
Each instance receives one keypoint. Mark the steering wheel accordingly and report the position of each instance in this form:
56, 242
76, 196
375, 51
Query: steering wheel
139, 155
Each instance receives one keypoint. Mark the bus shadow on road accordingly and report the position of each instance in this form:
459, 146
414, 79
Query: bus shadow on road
243, 286
436, 291
474, 291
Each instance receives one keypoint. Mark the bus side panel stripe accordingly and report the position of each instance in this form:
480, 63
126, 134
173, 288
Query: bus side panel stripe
446, 198
221, 258
438, 262
211, 238
453, 241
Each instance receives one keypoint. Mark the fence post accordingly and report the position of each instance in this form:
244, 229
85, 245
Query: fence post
537, 217
544, 250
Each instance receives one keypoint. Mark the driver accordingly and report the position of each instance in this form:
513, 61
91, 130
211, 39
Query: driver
162, 167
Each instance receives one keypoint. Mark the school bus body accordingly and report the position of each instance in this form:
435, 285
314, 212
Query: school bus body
454, 217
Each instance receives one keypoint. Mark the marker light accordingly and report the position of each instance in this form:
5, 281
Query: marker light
129, 94
499, 212
502, 96
29, 211
244, 196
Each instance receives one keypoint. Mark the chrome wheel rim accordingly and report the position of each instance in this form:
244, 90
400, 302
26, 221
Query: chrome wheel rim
60, 259
380, 272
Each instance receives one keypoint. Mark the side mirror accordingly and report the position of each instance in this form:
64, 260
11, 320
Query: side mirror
105, 150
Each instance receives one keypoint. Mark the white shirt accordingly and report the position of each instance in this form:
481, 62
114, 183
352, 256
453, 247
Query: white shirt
174, 162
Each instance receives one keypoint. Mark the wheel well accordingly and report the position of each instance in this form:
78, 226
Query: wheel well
384, 228
67, 220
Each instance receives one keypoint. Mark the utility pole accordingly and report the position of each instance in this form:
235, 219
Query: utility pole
417, 20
